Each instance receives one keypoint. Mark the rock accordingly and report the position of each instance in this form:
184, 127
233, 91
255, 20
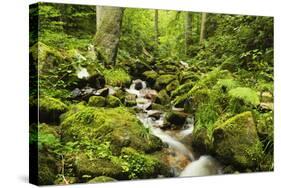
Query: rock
155, 106
102, 92
117, 77
266, 97
96, 166
101, 179
138, 84
50, 109
47, 138
156, 114
76, 93
175, 119
96, 81
45, 57
97, 101
163, 80
112, 101
47, 168
265, 107
150, 77
130, 100
265, 129
162, 98
236, 142
117, 125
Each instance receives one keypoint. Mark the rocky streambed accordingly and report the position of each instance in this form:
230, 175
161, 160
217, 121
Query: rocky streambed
181, 157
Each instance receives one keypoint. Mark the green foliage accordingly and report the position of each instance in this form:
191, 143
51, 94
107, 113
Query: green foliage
139, 165
116, 77
248, 95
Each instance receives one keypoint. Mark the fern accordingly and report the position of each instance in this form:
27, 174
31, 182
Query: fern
226, 84
245, 94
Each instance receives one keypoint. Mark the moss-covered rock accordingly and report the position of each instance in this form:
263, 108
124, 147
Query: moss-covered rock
89, 167
117, 77
141, 165
236, 141
112, 101
101, 179
163, 80
97, 101
115, 125
174, 119
46, 56
130, 100
47, 168
47, 140
150, 77
50, 109
163, 98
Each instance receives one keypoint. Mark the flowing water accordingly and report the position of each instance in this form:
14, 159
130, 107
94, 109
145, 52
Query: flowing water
181, 158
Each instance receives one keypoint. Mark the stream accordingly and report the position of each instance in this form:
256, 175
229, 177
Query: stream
181, 157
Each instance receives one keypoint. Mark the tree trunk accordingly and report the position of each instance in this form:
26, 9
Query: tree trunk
203, 27
156, 27
188, 30
109, 21
98, 16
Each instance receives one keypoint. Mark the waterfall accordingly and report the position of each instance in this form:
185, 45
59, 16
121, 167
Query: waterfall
205, 165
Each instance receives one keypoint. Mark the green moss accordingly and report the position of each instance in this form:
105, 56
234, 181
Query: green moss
150, 77
117, 125
47, 169
47, 56
140, 165
236, 142
163, 97
164, 80
172, 86
182, 89
50, 109
117, 77
101, 179
87, 167
97, 101
113, 101
245, 94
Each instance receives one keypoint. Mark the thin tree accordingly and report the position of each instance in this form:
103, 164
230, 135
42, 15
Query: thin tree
203, 27
188, 30
156, 26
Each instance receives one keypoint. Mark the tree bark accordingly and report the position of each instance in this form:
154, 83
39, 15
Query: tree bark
188, 30
98, 16
109, 21
203, 27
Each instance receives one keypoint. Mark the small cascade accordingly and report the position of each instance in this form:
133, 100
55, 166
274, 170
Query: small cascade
180, 153
204, 166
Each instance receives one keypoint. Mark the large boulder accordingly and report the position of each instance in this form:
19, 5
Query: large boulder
118, 126
50, 109
95, 166
236, 141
